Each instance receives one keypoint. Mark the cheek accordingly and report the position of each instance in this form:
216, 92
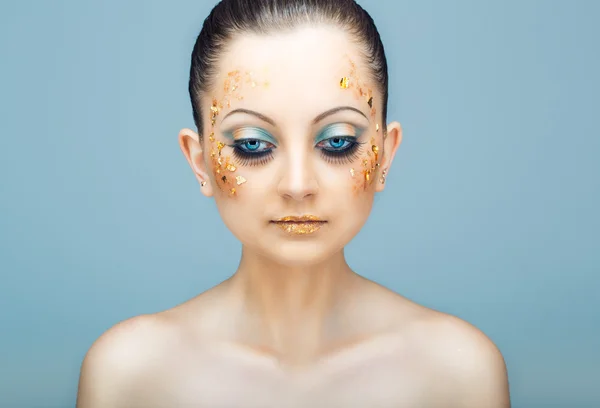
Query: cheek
363, 171
224, 170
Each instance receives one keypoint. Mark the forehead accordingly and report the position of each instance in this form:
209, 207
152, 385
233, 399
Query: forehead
296, 72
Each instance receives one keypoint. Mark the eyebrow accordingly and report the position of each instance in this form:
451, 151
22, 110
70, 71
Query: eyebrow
316, 120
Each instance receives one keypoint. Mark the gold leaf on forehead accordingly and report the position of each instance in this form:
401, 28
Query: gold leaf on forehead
370, 102
227, 85
240, 180
345, 83
212, 137
373, 112
377, 127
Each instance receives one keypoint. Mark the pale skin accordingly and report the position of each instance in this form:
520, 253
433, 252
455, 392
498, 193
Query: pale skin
294, 326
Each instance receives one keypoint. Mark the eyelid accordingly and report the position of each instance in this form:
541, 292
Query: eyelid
339, 130
252, 132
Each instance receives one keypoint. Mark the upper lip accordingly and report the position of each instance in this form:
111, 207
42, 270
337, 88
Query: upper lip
299, 218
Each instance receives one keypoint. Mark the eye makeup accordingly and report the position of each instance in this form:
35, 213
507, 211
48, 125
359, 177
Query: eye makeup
339, 143
251, 145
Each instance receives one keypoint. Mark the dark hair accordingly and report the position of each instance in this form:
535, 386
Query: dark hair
233, 17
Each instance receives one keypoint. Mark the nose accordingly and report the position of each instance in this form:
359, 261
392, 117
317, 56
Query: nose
297, 178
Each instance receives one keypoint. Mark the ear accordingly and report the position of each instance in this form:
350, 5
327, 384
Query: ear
390, 145
189, 142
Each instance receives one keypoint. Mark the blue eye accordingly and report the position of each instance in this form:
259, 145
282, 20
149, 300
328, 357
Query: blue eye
252, 145
336, 143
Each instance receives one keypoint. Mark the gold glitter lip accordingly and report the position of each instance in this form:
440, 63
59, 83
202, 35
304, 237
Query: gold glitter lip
300, 225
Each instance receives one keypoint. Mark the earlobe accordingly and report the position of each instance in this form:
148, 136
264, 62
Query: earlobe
190, 145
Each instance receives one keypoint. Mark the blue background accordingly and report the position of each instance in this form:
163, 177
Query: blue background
491, 212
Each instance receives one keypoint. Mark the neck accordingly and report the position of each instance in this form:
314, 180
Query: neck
290, 307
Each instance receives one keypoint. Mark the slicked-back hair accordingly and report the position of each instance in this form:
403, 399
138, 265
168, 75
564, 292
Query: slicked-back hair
232, 18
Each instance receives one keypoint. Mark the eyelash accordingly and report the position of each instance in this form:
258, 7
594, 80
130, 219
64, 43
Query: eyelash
346, 155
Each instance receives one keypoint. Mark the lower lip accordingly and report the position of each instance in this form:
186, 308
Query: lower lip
300, 228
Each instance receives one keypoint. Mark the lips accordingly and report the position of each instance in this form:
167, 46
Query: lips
299, 225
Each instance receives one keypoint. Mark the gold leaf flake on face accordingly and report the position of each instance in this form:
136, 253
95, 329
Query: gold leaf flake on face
232, 191
370, 102
352, 172
230, 167
345, 83
224, 178
375, 151
240, 180
365, 162
377, 127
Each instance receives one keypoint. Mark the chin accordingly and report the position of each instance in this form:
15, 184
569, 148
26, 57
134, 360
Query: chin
299, 253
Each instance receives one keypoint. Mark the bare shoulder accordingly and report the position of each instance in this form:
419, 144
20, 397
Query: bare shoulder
462, 365
469, 366
119, 358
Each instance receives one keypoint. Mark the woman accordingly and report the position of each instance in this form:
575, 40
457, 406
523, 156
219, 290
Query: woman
289, 100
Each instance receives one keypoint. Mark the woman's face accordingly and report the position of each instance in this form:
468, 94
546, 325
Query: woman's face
293, 129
